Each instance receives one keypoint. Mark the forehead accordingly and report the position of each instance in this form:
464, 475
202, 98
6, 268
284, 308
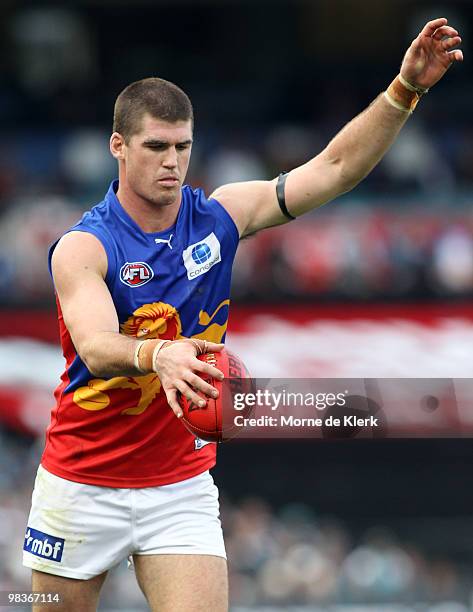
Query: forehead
159, 129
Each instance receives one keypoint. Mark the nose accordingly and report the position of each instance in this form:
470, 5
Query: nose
170, 159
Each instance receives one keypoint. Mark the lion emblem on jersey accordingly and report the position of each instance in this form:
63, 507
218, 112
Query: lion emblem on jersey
156, 320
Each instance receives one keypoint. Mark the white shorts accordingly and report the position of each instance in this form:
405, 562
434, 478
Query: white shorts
79, 531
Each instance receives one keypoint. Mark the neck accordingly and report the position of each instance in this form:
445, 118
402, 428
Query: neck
150, 217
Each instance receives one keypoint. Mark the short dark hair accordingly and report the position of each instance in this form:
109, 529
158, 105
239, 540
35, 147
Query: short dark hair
157, 97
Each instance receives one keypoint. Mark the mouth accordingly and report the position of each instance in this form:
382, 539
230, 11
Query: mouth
168, 181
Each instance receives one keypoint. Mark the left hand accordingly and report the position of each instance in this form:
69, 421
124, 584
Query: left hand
431, 54
178, 369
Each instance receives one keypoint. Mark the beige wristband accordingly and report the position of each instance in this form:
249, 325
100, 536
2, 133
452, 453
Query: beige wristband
402, 97
136, 356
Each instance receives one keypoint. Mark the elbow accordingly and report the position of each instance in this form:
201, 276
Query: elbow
95, 371
349, 177
90, 361
342, 176
92, 365
345, 173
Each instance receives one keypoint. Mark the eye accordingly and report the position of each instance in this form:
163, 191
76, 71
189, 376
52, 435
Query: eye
182, 147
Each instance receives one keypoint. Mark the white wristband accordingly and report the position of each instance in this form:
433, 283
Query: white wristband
418, 90
393, 102
136, 356
157, 348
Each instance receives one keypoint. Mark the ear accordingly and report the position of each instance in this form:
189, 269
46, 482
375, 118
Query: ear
117, 146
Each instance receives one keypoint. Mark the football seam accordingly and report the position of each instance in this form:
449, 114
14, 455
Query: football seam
200, 428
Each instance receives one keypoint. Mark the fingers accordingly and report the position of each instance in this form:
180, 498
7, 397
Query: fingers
189, 389
190, 394
179, 373
212, 347
189, 386
456, 56
206, 368
200, 384
449, 43
203, 346
171, 396
444, 31
430, 27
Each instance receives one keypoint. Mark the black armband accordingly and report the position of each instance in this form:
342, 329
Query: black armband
280, 187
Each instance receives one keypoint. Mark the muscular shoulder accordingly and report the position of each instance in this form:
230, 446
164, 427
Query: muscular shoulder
78, 251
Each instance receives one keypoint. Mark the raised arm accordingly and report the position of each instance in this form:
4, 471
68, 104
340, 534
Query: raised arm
79, 266
357, 148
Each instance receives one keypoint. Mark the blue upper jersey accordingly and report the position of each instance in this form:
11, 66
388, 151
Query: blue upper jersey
169, 284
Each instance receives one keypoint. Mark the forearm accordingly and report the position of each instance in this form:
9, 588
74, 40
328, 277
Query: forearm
108, 354
352, 154
363, 142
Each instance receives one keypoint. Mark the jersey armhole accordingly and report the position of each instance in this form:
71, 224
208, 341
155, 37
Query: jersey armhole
111, 259
227, 220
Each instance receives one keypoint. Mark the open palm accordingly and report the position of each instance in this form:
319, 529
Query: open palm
431, 54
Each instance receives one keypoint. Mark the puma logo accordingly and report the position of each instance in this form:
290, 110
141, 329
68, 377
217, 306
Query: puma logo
162, 240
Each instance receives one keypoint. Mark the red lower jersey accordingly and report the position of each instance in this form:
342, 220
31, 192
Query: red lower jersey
119, 432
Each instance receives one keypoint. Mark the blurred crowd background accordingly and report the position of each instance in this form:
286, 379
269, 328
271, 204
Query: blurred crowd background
358, 524
271, 84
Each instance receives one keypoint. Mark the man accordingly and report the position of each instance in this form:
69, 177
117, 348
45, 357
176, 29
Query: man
143, 285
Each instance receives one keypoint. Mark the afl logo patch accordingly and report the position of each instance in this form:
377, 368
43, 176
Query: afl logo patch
136, 273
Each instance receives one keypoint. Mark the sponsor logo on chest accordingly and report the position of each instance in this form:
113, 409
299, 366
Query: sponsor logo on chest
136, 273
201, 256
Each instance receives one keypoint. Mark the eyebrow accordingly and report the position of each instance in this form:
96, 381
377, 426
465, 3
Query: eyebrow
157, 142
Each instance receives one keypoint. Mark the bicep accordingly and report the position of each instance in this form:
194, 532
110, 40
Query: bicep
254, 205
79, 265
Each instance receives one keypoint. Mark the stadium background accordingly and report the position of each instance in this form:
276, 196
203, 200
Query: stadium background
379, 283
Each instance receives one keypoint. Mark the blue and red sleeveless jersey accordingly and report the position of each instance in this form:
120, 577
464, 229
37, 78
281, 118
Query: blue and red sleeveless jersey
120, 432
